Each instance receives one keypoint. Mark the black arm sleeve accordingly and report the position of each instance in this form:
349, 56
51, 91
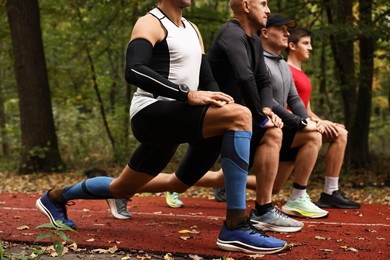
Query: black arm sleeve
235, 44
137, 72
206, 77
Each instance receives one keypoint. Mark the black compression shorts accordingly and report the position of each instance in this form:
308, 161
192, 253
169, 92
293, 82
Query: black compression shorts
161, 127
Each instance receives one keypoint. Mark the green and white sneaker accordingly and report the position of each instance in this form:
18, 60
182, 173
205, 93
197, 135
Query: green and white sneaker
172, 199
303, 207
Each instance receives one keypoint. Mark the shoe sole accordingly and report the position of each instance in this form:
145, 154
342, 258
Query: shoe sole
41, 208
173, 205
303, 214
114, 210
268, 227
330, 206
237, 246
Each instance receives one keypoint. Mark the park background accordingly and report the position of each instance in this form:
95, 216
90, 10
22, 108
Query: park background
64, 103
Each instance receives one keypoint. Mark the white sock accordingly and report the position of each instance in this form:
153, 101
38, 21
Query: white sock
297, 193
331, 184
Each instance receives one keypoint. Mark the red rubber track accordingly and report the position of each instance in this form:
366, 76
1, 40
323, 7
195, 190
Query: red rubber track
345, 234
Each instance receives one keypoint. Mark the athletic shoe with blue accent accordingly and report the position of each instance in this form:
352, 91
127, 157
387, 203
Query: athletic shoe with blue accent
303, 207
172, 199
219, 194
53, 211
275, 221
248, 239
118, 208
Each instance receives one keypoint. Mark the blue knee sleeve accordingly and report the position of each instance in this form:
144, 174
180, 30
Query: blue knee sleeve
95, 188
235, 160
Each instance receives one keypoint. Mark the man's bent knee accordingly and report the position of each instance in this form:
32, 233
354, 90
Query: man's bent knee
242, 118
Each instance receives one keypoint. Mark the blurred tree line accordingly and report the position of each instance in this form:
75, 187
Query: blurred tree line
64, 101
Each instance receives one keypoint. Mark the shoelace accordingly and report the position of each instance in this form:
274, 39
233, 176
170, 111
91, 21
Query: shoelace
246, 224
122, 206
279, 213
175, 196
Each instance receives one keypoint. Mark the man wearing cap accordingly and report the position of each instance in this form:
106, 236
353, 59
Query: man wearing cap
301, 135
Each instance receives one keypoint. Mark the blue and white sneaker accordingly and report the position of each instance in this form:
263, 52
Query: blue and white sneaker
118, 208
248, 239
53, 211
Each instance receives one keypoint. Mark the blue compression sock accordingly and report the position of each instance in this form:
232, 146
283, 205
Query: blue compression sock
95, 188
235, 160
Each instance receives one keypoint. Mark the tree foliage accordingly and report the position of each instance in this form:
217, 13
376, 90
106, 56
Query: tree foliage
85, 43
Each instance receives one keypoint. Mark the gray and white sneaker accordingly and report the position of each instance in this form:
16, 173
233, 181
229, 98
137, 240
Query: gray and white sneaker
118, 208
276, 221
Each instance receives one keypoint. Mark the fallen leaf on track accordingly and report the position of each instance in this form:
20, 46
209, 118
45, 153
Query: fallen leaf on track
322, 238
24, 227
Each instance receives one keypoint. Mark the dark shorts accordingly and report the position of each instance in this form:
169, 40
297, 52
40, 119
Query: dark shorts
286, 152
257, 135
161, 128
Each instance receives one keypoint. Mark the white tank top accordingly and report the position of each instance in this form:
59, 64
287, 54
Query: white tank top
177, 58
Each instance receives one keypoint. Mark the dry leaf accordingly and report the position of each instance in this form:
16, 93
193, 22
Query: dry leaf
352, 249
90, 240
100, 251
195, 257
185, 237
73, 246
322, 238
24, 227
196, 214
344, 247
184, 231
113, 249
168, 256
326, 250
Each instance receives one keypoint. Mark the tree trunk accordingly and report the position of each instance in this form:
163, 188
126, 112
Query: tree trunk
341, 42
39, 141
359, 137
3, 133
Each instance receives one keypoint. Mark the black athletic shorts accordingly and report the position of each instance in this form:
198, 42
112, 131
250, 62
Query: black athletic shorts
257, 135
161, 127
287, 153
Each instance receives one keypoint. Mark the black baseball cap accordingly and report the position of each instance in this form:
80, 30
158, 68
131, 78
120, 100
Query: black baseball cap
278, 19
